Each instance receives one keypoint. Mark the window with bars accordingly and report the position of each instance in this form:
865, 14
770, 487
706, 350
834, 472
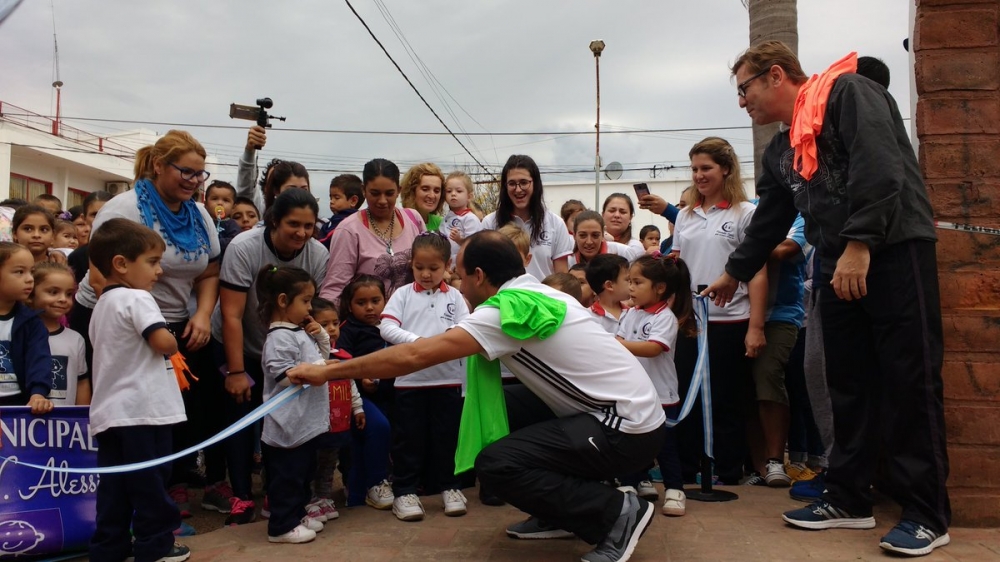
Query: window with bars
23, 187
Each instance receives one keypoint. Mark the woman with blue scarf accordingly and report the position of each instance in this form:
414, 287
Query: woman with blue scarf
167, 177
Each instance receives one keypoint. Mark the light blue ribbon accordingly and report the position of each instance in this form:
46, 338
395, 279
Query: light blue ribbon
264, 409
700, 382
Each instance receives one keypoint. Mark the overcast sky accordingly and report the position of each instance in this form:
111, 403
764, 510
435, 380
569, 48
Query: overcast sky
514, 66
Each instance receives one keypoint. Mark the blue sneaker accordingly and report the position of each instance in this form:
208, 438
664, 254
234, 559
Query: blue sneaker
655, 475
912, 539
822, 515
808, 490
184, 530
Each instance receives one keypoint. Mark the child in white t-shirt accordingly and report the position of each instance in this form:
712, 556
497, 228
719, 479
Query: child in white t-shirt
53, 297
460, 222
428, 402
136, 401
660, 290
607, 276
288, 440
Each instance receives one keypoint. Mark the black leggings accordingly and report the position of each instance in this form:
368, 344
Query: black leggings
732, 401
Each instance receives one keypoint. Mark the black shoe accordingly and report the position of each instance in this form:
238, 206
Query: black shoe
178, 553
636, 516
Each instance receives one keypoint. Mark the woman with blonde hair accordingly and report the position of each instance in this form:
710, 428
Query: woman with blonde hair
422, 190
168, 175
707, 230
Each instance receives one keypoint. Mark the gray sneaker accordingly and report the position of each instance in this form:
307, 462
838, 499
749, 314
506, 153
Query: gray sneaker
618, 546
534, 528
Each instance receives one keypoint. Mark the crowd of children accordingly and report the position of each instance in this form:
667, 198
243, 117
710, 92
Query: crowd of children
393, 440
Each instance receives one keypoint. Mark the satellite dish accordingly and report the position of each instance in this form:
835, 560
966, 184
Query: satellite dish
613, 171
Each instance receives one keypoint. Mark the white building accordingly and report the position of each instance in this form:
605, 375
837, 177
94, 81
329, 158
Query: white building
669, 187
38, 156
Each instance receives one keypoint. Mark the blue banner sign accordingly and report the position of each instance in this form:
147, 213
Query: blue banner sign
43, 512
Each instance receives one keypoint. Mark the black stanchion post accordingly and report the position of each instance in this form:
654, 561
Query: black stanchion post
706, 493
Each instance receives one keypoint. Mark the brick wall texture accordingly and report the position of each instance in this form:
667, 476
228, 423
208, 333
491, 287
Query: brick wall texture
957, 50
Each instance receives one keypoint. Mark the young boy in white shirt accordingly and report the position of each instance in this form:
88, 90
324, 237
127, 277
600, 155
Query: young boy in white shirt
607, 275
136, 398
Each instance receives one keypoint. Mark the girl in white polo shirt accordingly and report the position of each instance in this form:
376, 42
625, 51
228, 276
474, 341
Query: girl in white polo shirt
706, 232
658, 287
428, 402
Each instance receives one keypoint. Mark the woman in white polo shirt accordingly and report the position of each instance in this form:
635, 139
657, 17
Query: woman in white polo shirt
706, 232
521, 202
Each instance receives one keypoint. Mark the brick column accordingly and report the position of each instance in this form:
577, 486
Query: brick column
958, 123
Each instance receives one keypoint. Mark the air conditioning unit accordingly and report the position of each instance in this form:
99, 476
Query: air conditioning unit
116, 187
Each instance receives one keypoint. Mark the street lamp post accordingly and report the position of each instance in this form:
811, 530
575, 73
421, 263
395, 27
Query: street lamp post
597, 47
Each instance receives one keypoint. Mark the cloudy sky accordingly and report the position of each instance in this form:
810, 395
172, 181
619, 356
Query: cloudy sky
501, 66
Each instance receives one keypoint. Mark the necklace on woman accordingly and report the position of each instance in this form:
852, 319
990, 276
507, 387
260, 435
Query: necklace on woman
385, 237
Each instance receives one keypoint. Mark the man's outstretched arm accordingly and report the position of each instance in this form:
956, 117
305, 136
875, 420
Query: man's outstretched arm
394, 361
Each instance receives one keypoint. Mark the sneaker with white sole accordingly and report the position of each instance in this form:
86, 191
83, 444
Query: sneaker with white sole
315, 513
216, 497
775, 475
299, 534
753, 480
822, 515
533, 528
647, 491
326, 507
177, 553
913, 539
408, 508
380, 495
314, 525
454, 503
618, 545
674, 503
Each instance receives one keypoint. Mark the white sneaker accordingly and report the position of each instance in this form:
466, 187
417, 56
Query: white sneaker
314, 525
454, 502
297, 535
776, 477
647, 491
674, 503
380, 495
408, 508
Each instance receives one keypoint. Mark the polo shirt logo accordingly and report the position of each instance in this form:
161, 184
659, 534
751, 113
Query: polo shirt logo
455, 222
545, 238
726, 230
646, 329
449, 313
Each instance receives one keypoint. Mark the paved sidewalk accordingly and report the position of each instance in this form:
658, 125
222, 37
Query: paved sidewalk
749, 529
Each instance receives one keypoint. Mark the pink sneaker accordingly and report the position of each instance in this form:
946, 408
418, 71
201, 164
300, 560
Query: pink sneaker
324, 508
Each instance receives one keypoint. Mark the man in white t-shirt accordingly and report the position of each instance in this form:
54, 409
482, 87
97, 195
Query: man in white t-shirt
586, 410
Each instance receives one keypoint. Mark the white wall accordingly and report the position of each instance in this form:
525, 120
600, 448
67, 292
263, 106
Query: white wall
557, 193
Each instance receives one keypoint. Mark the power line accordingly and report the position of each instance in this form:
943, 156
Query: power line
403, 74
398, 133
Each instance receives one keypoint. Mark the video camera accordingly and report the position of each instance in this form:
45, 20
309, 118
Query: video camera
251, 113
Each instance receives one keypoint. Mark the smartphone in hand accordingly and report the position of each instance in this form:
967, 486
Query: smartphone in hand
641, 190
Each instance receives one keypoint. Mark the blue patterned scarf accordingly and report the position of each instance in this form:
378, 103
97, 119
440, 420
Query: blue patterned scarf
184, 230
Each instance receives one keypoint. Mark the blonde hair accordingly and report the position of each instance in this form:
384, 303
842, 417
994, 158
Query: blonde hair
518, 236
722, 153
766, 54
167, 150
466, 180
411, 180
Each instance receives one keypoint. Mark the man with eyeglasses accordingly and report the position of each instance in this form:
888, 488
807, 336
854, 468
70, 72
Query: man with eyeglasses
847, 165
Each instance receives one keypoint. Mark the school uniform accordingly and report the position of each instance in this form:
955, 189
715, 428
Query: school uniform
25, 361
467, 224
69, 365
552, 243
